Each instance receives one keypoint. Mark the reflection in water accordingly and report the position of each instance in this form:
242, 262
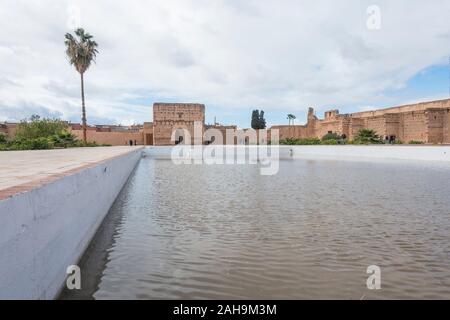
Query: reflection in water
311, 231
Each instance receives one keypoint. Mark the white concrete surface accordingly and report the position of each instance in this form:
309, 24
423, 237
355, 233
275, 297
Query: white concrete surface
347, 152
372, 152
46, 229
22, 167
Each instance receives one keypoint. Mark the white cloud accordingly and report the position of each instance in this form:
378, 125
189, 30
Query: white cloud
231, 54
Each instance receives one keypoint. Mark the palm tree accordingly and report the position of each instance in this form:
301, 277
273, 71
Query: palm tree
81, 50
367, 136
291, 117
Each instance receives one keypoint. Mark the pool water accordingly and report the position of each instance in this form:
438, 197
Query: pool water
308, 232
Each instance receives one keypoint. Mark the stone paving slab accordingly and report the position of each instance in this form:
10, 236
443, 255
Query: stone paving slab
21, 171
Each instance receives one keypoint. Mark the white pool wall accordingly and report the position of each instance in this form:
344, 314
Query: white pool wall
46, 229
347, 152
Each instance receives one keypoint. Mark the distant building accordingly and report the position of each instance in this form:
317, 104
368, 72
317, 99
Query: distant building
211, 136
3, 128
79, 126
428, 122
8, 128
172, 121
115, 135
173, 118
147, 132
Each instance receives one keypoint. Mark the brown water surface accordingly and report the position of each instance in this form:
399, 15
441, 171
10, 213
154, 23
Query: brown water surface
311, 231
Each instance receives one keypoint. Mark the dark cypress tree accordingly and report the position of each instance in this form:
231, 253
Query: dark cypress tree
255, 119
261, 121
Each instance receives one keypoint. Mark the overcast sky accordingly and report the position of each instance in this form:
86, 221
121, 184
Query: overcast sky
278, 55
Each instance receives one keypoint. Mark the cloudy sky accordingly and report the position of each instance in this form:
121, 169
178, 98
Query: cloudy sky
233, 55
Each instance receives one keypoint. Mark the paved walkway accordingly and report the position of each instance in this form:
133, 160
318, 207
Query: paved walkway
23, 170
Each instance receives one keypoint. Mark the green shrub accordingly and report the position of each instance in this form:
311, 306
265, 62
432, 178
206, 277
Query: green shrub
36, 133
415, 142
63, 139
333, 139
40, 143
367, 136
36, 127
305, 141
289, 141
81, 144
310, 141
30, 144
330, 142
2, 138
331, 136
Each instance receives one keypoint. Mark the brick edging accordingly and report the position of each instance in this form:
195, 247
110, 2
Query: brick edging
28, 186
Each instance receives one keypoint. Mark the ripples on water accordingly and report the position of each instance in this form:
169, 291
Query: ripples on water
311, 231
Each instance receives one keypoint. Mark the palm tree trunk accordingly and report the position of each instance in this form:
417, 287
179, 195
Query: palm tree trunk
290, 135
292, 124
83, 109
